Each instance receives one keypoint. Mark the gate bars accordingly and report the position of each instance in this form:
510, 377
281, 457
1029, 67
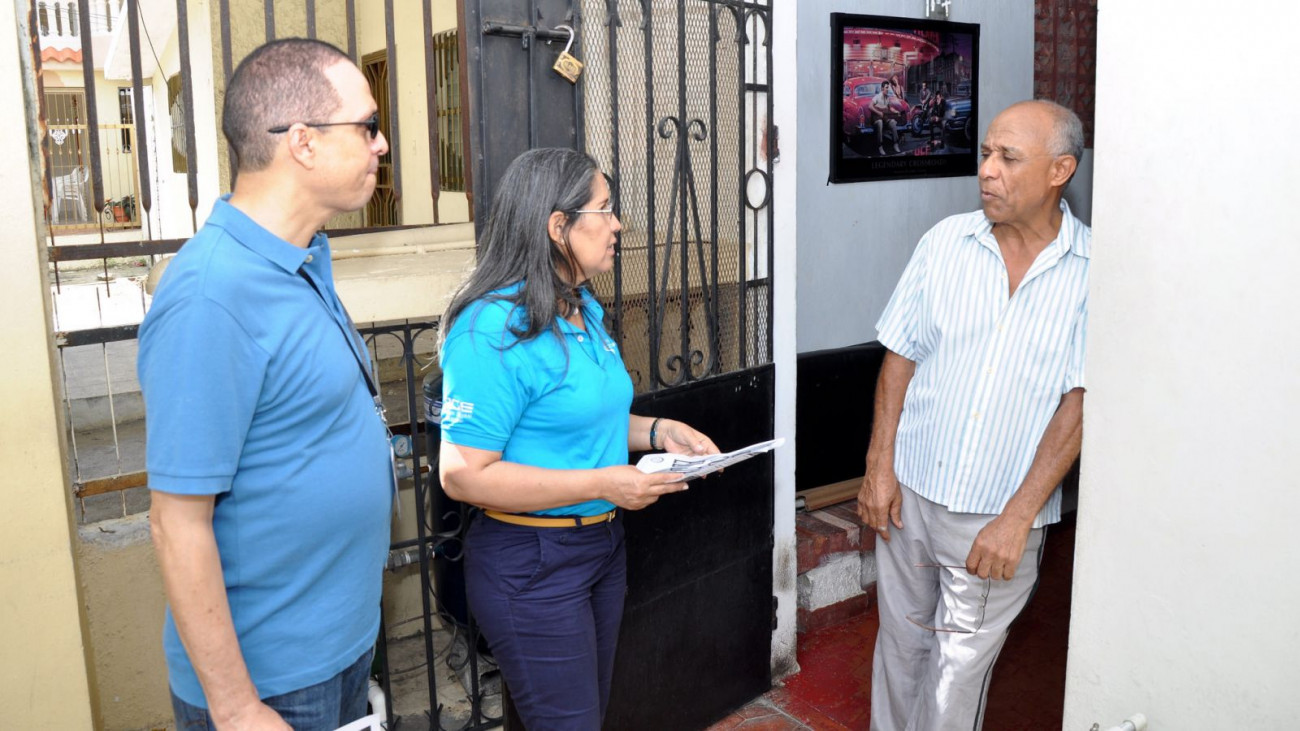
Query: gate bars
679, 108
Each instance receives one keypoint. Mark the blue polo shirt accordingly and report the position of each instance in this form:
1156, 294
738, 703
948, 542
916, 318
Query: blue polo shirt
252, 394
561, 403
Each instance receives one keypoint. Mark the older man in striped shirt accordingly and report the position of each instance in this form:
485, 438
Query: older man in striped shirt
978, 417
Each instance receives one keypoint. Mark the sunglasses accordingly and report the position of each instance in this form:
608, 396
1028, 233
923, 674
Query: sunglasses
371, 124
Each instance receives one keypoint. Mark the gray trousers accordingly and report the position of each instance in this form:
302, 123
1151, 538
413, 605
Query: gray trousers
923, 680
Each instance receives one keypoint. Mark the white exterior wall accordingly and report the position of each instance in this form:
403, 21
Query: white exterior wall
785, 185
1184, 601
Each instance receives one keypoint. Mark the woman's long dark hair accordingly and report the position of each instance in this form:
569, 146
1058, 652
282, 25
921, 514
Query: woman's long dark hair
516, 247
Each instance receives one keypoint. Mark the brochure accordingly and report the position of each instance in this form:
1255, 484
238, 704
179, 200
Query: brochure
693, 466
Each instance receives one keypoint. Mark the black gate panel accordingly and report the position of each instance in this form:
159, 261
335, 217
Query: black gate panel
517, 101
700, 571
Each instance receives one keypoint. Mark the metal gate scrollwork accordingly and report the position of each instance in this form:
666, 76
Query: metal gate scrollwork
678, 109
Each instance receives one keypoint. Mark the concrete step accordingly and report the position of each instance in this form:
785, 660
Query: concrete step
836, 566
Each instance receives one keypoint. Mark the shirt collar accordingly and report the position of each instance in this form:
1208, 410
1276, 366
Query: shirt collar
590, 306
257, 239
1072, 236
592, 311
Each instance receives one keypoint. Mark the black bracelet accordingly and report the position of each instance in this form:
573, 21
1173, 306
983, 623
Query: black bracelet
654, 425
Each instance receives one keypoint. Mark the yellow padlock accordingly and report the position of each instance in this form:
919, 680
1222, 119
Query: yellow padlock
567, 65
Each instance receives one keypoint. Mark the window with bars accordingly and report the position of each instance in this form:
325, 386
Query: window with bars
383, 208
446, 74
126, 114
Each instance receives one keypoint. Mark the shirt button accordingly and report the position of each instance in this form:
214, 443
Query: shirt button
308, 261
580, 338
990, 371
975, 415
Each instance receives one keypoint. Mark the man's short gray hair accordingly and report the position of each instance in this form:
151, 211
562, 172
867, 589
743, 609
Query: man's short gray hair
1067, 131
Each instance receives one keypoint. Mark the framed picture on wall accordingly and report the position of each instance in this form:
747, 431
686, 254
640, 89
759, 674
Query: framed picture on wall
904, 97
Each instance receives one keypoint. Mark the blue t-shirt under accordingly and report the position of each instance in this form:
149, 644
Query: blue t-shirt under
253, 394
560, 403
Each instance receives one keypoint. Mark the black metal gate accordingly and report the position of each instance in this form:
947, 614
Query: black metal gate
675, 103
455, 679
516, 101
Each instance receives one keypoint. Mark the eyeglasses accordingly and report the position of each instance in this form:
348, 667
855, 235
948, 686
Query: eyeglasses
972, 627
371, 124
608, 213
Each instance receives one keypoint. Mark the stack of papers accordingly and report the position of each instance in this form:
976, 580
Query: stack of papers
693, 466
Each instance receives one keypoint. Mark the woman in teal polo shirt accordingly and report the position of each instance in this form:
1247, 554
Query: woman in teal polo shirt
536, 430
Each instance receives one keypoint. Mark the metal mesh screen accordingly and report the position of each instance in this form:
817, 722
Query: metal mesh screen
677, 113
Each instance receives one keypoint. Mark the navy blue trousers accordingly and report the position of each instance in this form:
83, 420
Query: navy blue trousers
549, 602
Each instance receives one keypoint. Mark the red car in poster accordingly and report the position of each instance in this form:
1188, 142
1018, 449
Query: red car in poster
858, 117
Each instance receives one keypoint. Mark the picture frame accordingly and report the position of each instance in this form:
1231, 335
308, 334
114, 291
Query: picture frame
904, 98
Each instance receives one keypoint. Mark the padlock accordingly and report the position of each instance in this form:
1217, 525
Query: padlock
567, 65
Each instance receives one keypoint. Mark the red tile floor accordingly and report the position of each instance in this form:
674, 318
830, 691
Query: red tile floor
831, 692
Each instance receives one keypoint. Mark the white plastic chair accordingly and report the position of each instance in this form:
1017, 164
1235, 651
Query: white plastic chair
70, 188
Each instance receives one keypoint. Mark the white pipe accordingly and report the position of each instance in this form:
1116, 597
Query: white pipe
378, 708
1136, 722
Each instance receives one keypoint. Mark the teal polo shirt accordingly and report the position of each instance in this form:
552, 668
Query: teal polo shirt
252, 394
556, 402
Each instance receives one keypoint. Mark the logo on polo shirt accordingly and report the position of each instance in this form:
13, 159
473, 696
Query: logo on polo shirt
455, 411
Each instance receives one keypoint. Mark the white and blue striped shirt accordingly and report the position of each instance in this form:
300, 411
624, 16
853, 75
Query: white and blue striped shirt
990, 369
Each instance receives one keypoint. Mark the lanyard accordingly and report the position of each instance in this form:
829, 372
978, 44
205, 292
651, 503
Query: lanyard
370, 384
365, 372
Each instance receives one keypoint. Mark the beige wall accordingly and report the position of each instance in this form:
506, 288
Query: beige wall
248, 24
125, 604
413, 106
1184, 601
44, 678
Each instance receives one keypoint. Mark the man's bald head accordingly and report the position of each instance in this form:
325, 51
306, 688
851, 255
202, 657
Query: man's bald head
1066, 135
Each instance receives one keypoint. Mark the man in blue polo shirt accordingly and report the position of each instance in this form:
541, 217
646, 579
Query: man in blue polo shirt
978, 417
268, 461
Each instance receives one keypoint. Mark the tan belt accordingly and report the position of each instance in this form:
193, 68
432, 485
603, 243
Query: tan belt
556, 521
